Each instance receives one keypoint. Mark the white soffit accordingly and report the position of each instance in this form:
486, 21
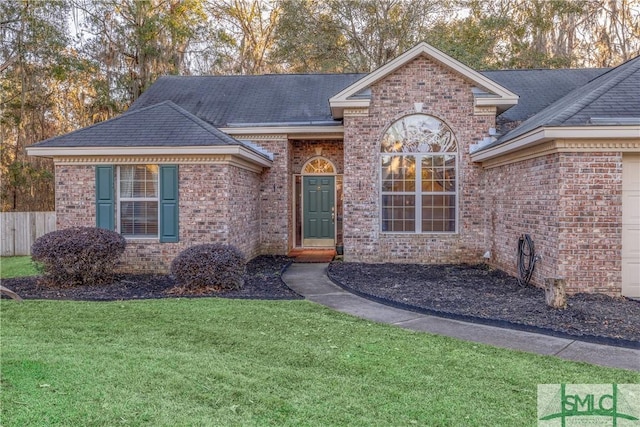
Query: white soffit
610, 134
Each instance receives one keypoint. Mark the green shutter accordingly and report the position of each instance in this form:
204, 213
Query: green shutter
168, 203
105, 211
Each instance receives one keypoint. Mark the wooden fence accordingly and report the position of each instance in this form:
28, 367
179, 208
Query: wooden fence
18, 230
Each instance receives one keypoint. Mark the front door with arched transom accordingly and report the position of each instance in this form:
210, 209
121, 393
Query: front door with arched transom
318, 203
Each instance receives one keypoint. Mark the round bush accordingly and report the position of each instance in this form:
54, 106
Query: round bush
210, 265
78, 255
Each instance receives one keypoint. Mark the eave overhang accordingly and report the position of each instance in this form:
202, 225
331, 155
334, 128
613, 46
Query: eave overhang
231, 151
293, 132
616, 138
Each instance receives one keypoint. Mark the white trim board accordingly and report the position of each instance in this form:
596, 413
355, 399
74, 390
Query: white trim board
233, 150
609, 135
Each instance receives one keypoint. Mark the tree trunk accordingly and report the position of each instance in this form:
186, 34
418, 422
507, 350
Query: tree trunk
555, 293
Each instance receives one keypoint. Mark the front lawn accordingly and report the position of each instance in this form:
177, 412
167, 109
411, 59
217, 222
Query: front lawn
232, 362
16, 266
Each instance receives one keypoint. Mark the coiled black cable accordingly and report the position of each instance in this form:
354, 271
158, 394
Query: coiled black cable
526, 259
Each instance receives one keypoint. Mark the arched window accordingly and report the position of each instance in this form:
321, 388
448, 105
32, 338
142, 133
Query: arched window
318, 166
418, 176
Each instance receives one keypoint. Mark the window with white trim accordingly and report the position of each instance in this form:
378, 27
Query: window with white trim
419, 164
138, 201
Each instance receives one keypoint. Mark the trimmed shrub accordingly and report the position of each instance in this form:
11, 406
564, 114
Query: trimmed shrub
78, 255
210, 265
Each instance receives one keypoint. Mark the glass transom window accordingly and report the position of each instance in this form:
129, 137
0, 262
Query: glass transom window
138, 201
418, 160
318, 165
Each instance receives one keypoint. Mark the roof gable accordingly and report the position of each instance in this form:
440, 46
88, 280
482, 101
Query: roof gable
491, 94
163, 124
608, 98
161, 128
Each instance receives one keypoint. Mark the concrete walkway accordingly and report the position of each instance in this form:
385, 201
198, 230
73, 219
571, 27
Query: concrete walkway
311, 281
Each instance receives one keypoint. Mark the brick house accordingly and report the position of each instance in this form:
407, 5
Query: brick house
423, 160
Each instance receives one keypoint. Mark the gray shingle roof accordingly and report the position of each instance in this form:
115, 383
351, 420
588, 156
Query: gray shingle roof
273, 99
539, 88
266, 99
160, 125
614, 94
207, 102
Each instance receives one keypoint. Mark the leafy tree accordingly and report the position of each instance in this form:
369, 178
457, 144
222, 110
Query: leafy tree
309, 39
352, 35
541, 33
136, 41
249, 28
610, 34
34, 59
377, 31
471, 40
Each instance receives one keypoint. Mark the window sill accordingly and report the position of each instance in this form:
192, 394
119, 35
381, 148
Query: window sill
139, 239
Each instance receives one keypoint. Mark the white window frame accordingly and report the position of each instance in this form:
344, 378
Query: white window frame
120, 199
418, 193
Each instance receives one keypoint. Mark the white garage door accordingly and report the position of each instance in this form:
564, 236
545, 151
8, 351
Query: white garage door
631, 225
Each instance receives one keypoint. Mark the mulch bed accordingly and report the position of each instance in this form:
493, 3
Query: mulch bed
485, 295
471, 293
262, 281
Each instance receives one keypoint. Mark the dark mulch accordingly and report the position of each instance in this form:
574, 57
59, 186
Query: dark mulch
465, 292
262, 281
489, 296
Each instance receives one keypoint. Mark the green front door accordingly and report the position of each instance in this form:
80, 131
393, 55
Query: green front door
319, 211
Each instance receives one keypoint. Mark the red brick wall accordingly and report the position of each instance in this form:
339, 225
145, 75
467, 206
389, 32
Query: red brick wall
276, 217
590, 224
447, 96
204, 199
218, 203
523, 198
571, 205
75, 196
303, 150
244, 210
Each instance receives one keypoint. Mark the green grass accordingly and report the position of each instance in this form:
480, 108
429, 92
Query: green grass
16, 266
213, 362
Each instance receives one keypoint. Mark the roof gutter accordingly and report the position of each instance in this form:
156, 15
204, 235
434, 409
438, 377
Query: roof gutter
286, 124
321, 132
239, 151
